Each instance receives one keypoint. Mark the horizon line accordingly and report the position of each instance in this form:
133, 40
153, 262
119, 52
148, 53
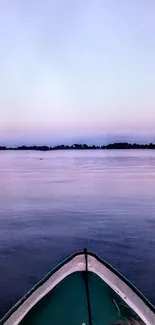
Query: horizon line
76, 146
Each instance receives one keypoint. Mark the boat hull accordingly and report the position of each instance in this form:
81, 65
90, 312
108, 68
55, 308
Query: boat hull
82, 290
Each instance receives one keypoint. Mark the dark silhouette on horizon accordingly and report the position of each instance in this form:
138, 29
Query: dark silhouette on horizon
76, 146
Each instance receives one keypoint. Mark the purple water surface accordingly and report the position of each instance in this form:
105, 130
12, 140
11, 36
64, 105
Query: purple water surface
50, 208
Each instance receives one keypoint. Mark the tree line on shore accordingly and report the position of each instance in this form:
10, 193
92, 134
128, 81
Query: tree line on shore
116, 145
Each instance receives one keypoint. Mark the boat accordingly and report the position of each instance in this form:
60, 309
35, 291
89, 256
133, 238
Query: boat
82, 290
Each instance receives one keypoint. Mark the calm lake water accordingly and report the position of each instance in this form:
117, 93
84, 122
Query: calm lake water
50, 208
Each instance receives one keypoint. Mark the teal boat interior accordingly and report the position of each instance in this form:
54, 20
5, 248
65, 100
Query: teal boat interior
67, 304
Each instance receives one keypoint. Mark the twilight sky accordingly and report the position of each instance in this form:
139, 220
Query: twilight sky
76, 69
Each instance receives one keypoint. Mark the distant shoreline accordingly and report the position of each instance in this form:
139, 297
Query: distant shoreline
117, 145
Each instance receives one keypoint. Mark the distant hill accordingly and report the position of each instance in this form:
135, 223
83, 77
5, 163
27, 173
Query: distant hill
52, 139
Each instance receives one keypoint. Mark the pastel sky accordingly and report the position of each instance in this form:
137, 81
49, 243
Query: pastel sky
83, 67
